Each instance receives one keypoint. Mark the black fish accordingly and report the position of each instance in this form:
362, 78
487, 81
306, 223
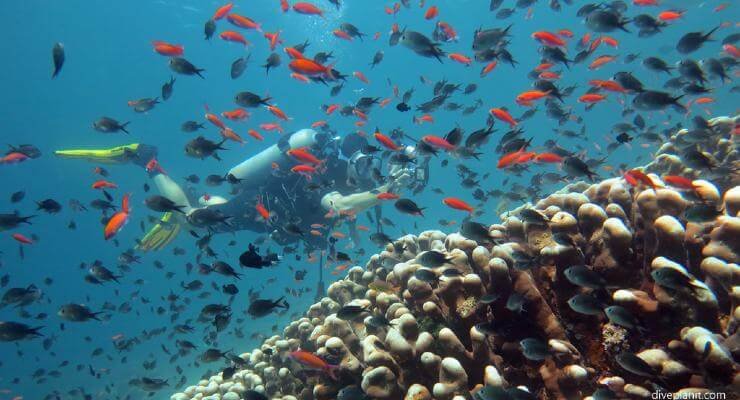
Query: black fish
692, 41
239, 66
57, 55
261, 307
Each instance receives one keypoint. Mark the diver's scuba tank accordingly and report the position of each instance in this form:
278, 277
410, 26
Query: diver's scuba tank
256, 170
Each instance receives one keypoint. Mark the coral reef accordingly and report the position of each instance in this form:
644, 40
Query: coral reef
604, 289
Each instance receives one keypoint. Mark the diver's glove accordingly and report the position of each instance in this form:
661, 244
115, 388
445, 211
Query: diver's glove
161, 234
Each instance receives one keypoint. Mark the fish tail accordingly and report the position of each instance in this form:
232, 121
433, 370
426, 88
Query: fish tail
123, 126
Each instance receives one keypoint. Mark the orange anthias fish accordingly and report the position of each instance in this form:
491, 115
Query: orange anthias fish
237, 114
118, 220
387, 142
103, 184
503, 115
255, 135
304, 170
277, 112
609, 85
243, 22
168, 49
13, 158
262, 211
304, 156
233, 36
526, 98
548, 158
679, 182
488, 68
20, 238
213, 118
436, 141
387, 196
313, 362
431, 13
458, 204
273, 38
284, 6
271, 127
548, 39
591, 98
293, 53
601, 61
461, 58
342, 34
229, 133
424, 118
640, 177
222, 11
310, 68
307, 9
359, 75
509, 159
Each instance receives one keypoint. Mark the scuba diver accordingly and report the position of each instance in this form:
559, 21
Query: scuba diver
267, 196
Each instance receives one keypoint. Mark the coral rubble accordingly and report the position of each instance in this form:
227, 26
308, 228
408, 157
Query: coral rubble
608, 290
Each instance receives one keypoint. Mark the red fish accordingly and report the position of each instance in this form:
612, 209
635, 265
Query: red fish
488, 68
255, 135
262, 211
277, 112
342, 34
640, 177
526, 98
730, 49
103, 184
13, 158
591, 98
503, 115
432, 12
243, 22
233, 36
331, 108
222, 11
229, 133
304, 170
304, 156
284, 5
300, 77
609, 85
271, 127
424, 118
679, 182
310, 68
548, 39
212, 118
359, 75
168, 49
118, 220
462, 59
436, 141
21, 238
458, 204
387, 196
387, 142
548, 158
293, 53
273, 38
307, 9
313, 362
509, 159
601, 61
237, 114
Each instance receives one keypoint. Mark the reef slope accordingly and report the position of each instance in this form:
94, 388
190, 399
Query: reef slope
652, 303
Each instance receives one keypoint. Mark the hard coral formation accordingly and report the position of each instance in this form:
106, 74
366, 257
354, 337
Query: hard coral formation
619, 292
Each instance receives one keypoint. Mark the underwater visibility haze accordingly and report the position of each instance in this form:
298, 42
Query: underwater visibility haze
347, 199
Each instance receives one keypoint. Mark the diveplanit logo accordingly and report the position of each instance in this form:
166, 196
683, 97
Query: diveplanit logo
689, 396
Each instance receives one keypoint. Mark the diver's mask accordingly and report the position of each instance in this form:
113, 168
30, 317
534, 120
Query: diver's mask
360, 169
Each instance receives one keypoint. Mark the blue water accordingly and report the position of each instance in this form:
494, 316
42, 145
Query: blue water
110, 61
